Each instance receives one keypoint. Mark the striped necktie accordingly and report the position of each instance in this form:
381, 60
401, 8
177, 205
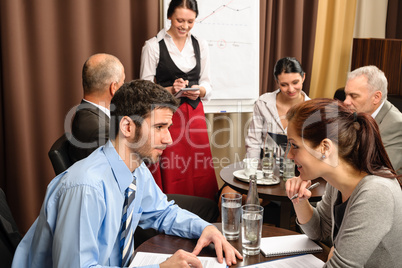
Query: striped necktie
127, 234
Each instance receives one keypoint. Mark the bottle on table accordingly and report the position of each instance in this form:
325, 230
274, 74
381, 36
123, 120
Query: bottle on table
252, 195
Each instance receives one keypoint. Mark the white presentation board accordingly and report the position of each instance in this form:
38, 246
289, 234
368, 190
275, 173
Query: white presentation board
231, 28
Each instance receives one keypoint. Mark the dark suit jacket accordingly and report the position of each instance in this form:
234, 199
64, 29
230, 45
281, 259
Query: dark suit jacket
389, 120
90, 129
9, 235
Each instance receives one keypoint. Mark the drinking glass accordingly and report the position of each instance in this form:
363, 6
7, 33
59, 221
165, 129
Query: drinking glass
279, 155
267, 162
252, 216
231, 211
250, 166
288, 169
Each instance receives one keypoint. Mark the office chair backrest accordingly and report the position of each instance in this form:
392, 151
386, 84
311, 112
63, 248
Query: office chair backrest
396, 100
340, 94
9, 235
59, 156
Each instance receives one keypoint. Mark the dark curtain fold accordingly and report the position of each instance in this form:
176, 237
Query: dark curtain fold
394, 20
44, 44
287, 29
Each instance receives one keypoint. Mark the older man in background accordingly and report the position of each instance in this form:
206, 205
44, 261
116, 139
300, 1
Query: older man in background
102, 76
366, 92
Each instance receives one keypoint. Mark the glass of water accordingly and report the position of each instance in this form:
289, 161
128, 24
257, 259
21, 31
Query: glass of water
252, 218
288, 169
231, 212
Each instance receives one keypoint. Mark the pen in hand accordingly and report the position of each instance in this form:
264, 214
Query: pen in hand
309, 188
182, 79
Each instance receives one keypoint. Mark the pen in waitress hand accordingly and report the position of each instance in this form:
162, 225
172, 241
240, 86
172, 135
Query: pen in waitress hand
181, 78
309, 188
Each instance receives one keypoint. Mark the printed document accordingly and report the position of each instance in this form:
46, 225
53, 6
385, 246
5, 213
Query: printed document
147, 258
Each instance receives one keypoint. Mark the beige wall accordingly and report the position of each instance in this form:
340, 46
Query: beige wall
227, 132
371, 17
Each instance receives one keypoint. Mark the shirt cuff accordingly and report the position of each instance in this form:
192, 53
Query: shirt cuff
208, 92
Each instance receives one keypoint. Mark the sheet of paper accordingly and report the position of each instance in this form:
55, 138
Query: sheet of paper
147, 258
300, 261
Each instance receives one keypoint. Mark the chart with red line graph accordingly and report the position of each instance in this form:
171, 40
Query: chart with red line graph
231, 28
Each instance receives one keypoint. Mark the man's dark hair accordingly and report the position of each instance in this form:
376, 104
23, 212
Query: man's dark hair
137, 99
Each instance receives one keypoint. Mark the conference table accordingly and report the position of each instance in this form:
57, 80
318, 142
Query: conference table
276, 192
168, 244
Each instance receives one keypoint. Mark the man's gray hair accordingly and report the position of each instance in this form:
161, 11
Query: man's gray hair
98, 76
376, 79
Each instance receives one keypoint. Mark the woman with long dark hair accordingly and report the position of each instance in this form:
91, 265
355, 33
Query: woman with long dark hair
361, 210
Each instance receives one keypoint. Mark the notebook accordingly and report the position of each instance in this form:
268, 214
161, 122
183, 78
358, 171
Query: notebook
288, 245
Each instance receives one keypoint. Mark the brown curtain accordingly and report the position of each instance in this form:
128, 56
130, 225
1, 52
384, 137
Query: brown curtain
287, 29
44, 44
394, 20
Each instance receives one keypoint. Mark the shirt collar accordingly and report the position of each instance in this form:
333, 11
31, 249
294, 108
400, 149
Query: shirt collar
103, 109
162, 34
378, 110
120, 171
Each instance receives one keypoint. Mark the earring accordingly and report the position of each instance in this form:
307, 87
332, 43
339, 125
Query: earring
323, 156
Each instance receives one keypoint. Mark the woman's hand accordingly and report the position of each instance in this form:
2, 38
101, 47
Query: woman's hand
178, 84
192, 95
331, 253
296, 185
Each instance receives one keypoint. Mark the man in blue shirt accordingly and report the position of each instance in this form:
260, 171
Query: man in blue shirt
81, 218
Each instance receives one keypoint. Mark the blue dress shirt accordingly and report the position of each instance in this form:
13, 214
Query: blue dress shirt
80, 219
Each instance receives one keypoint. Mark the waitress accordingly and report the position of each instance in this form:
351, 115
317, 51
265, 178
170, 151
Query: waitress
175, 59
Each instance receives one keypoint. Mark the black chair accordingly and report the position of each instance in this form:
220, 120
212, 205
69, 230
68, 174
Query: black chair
340, 94
396, 100
59, 156
9, 234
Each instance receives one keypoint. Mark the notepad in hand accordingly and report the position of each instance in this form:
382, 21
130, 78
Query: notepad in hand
179, 93
288, 245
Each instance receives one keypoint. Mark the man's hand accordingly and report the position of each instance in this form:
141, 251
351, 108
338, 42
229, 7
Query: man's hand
212, 235
182, 258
